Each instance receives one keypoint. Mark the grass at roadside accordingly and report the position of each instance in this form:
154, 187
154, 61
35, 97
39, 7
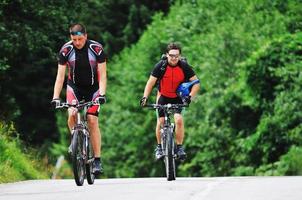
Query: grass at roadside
16, 162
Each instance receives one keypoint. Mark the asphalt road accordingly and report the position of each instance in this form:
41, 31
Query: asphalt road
220, 188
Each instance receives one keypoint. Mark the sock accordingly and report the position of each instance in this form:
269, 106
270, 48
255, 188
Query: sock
97, 158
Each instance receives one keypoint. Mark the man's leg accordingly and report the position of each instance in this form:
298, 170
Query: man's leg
95, 138
71, 98
158, 149
95, 134
160, 121
179, 128
179, 132
71, 119
71, 123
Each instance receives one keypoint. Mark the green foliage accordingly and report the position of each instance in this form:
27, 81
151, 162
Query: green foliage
273, 78
31, 34
229, 130
247, 55
291, 163
15, 164
119, 23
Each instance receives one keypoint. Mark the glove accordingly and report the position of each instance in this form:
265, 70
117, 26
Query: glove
143, 101
101, 99
186, 100
55, 103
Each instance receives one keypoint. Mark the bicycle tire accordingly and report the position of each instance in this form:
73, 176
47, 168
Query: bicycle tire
77, 157
89, 164
169, 157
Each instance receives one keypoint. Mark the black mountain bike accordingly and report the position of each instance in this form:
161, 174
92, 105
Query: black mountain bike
167, 137
82, 156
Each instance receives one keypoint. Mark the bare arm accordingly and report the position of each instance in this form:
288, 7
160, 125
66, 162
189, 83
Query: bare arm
149, 86
195, 87
59, 81
102, 77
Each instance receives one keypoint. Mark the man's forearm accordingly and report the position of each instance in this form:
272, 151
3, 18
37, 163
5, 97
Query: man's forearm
149, 86
59, 81
194, 90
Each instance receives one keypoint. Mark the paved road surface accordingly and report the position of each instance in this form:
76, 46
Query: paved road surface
222, 188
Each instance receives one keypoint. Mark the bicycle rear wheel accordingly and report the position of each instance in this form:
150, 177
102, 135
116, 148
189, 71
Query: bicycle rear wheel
169, 157
89, 164
77, 158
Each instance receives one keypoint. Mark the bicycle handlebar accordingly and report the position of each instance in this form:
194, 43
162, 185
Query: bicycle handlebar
168, 106
80, 105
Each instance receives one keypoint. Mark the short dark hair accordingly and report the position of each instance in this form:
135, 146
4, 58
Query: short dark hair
173, 45
77, 27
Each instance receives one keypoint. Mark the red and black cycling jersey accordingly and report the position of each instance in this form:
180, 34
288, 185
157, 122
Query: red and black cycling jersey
170, 77
82, 63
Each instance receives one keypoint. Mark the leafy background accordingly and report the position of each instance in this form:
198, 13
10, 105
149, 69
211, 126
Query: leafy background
247, 55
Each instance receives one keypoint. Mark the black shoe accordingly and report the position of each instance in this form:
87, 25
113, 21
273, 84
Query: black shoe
158, 153
97, 167
181, 154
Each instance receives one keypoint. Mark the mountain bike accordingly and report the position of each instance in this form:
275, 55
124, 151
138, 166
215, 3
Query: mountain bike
167, 137
82, 156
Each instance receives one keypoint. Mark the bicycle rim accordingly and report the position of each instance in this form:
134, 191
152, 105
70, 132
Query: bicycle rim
77, 157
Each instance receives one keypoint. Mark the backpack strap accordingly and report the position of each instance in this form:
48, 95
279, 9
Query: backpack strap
163, 67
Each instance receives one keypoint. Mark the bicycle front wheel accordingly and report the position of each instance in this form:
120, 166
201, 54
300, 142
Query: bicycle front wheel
169, 157
77, 157
89, 164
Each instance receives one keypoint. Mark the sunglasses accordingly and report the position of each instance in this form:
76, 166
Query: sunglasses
76, 33
174, 55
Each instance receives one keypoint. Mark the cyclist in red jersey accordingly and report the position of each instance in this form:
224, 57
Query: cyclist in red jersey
169, 76
87, 80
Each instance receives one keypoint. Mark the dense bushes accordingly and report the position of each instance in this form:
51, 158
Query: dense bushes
274, 79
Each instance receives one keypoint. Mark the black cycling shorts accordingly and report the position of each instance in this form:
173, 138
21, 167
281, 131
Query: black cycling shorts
165, 100
88, 93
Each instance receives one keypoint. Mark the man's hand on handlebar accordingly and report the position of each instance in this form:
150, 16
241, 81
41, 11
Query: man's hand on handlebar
186, 100
101, 99
56, 102
143, 101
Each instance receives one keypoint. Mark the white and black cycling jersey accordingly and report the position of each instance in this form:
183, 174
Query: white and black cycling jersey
82, 63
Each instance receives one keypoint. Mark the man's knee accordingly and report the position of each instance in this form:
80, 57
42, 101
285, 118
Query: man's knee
179, 120
160, 121
71, 120
92, 120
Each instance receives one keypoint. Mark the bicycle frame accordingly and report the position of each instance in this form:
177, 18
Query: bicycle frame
167, 137
82, 153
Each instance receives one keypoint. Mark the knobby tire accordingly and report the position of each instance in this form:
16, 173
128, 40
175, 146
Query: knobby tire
77, 157
169, 157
